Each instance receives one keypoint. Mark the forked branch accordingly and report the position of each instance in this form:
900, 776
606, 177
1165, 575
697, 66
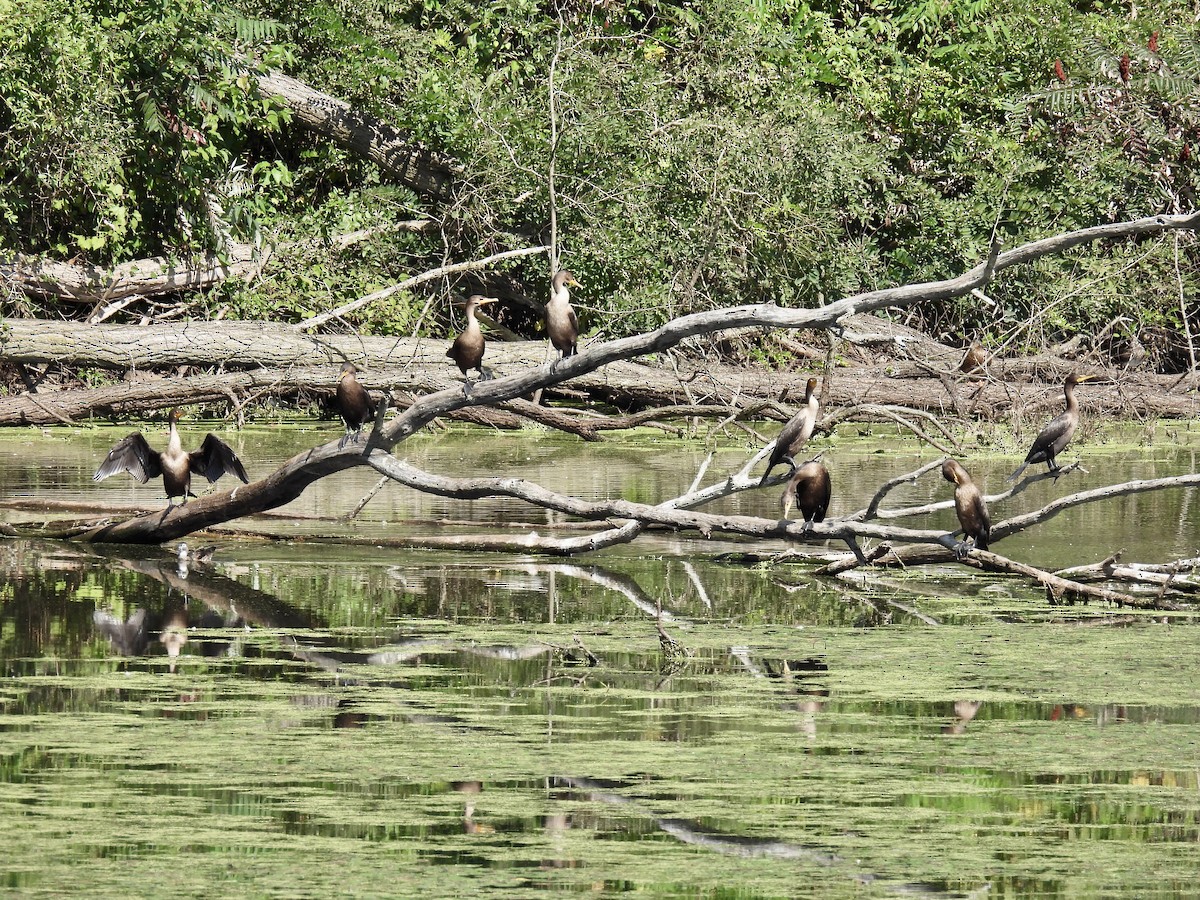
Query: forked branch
291, 479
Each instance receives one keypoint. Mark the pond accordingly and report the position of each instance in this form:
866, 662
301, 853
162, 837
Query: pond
305, 717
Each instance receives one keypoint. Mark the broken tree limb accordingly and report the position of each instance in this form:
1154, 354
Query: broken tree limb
290, 480
426, 171
872, 509
151, 277
670, 514
431, 275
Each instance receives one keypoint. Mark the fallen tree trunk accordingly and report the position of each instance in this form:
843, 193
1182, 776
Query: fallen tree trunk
420, 365
426, 171
144, 277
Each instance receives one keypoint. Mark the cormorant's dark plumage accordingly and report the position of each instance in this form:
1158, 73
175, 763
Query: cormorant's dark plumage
796, 432
1053, 439
975, 359
353, 402
467, 349
133, 455
810, 488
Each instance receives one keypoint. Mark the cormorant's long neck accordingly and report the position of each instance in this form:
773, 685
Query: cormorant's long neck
472, 322
560, 295
174, 444
1072, 404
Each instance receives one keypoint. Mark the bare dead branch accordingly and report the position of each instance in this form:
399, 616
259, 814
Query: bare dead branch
900, 415
872, 509
290, 480
1052, 509
432, 274
1056, 586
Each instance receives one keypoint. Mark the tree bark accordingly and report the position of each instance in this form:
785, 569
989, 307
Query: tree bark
426, 171
144, 277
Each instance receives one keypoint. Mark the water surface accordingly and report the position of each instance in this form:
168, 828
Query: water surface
318, 719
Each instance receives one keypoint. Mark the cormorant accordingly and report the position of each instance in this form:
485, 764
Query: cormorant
975, 359
1053, 439
969, 504
133, 455
796, 432
353, 402
561, 323
467, 349
810, 488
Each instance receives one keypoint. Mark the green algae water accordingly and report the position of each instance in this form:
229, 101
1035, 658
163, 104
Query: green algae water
300, 719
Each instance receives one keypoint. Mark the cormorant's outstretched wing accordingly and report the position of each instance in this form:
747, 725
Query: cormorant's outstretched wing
133, 455
129, 637
215, 458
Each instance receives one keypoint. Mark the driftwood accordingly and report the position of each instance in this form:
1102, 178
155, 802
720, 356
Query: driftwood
290, 480
1163, 576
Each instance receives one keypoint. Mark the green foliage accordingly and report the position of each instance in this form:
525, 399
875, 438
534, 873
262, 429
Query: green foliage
131, 127
706, 154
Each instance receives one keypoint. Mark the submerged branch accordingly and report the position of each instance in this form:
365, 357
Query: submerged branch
290, 480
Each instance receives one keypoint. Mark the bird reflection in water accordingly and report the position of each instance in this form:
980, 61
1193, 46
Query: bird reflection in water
185, 556
127, 638
471, 789
964, 712
173, 636
794, 675
131, 637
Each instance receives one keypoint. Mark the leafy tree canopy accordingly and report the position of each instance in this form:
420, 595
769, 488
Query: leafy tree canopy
703, 153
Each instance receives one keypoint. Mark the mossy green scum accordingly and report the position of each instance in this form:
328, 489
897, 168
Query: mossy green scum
348, 720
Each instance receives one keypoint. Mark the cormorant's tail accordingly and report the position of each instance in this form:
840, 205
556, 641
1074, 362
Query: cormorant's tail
1015, 475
